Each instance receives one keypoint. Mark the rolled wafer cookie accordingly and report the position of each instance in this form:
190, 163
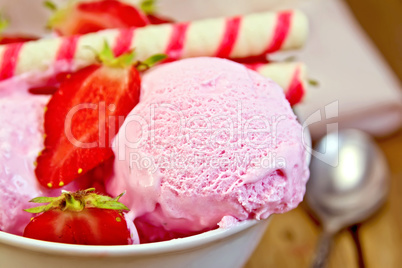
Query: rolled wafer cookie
234, 37
291, 76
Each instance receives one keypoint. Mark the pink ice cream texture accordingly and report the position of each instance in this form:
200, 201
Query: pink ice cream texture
21, 117
209, 144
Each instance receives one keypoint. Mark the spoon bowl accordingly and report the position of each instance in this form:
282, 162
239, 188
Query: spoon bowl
348, 182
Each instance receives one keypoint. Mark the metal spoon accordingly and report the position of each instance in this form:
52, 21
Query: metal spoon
348, 183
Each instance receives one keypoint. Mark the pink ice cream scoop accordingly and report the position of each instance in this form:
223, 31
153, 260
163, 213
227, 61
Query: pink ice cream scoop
210, 143
20, 142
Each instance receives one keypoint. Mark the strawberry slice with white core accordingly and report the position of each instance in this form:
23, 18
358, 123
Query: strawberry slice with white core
84, 115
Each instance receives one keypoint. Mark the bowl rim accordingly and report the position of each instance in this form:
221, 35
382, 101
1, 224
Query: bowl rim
178, 244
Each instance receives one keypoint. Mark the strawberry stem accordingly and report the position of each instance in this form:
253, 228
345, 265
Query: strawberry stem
58, 14
107, 57
73, 204
3, 23
50, 5
148, 6
77, 201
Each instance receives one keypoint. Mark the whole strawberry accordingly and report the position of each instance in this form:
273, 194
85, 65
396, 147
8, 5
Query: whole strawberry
148, 7
6, 39
82, 218
86, 17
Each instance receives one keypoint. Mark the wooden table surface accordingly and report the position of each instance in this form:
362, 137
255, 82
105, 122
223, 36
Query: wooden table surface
291, 238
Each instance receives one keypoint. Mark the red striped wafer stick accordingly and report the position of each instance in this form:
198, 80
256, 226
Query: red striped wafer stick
10, 56
238, 37
123, 41
291, 76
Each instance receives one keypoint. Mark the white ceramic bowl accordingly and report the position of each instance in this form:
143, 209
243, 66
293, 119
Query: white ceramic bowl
219, 248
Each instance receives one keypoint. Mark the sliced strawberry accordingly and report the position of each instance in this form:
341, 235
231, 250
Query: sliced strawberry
87, 17
157, 19
79, 218
252, 59
43, 90
84, 115
50, 86
96, 87
10, 39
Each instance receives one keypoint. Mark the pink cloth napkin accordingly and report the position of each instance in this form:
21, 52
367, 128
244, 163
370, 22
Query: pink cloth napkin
350, 71
356, 87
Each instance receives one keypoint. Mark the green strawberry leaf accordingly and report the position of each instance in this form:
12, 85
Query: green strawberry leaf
38, 209
105, 202
119, 196
77, 201
107, 57
313, 82
50, 5
113, 205
126, 59
148, 6
42, 199
106, 54
151, 61
3, 23
59, 15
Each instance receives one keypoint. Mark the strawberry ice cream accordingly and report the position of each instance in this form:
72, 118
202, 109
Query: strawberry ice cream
210, 143
20, 142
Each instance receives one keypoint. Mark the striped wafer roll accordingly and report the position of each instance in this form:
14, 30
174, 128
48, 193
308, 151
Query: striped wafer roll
291, 76
234, 37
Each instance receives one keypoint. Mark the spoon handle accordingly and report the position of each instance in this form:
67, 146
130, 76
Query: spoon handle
323, 249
